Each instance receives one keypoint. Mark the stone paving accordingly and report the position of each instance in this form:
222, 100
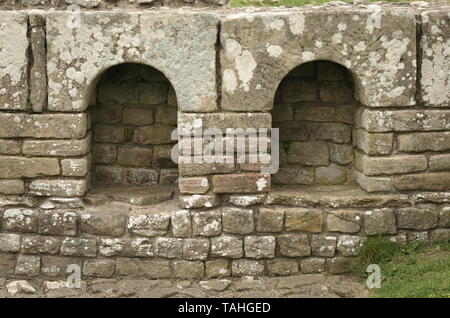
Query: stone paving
302, 286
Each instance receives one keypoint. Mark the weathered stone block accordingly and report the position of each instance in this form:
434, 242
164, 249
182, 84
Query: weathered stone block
417, 218
373, 184
36, 244
103, 222
379, 221
341, 154
14, 60
270, 220
148, 224
7, 263
19, 167
28, 265
168, 176
181, 223
309, 220
20, 220
128, 247
403, 120
246, 267
346, 221
444, 217
79, 247
349, 245
207, 223
137, 116
107, 114
104, 153
282, 266
169, 247
338, 92
195, 185
259, 246
134, 156
63, 148
59, 126
227, 246
294, 175
9, 147
57, 266
141, 176
182, 33
108, 133
440, 235
323, 245
238, 221
314, 113
373, 143
241, 183
217, 268
199, 201
294, 245
423, 181
371, 166
99, 267
222, 121
9, 242
75, 167
196, 249
435, 58
12, 186
246, 200
137, 267
419, 142
162, 156
61, 187
188, 269
332, 174
166, 115
311, 153
440, 162
191, 168
297, 90
112, 174
312, 265
287, 30
58, 223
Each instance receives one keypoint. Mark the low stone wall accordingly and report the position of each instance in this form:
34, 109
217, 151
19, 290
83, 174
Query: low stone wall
225, 67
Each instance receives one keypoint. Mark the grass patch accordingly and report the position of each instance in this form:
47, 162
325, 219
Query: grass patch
420, 271
293, 3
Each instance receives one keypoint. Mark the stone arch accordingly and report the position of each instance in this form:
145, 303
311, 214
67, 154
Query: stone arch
133, 109
314, 108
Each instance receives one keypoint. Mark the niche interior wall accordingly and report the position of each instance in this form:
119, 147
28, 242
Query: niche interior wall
225, 67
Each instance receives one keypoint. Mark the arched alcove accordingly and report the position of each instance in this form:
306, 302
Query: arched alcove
133, 113
314, 110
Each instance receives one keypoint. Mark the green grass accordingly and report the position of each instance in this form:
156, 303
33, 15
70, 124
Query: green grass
293, 3
417, 271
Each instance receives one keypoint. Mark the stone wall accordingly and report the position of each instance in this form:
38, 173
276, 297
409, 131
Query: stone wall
134, 116
225, 68
314, 109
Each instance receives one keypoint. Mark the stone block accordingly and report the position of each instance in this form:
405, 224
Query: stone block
315, 113
420, 142
162, 156
380, 221
444, 217
110, 174
12, 186
103, 222
217, 268
300, 219
9, 242
57, 266
138, 267
63, 148
20, 220
108, 114
7, 263
241, 183
168, 176
282, 266
349, 245
14, 60
169, 247
294, 245
335, 92
134, 156
311, 153
199, 201
196, 249
58, 188
104, 153
237, 221
270, 220
293, 90
137, 116
194, 185
36, 244
312, 265
332, 174
373, 184
423, 181
372, 166
439, 162
346, 221
166, 115
99, 267
439, 235
28, 265
188, 269
79, 247
58, 223
323, 245
10, 147
208, 223
294, 175
341, 154
19, 167
417, 218
127, 247
153, 135
181, 223
75, 167
109, 133
141, 176
246, 267
259, 246
227, 246
148, 224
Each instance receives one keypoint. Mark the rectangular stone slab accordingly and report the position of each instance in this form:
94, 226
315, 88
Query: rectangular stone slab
378, 46
13, 60
180, 44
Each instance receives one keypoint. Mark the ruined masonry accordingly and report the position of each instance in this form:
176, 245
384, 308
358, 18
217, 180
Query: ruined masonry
89, 99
